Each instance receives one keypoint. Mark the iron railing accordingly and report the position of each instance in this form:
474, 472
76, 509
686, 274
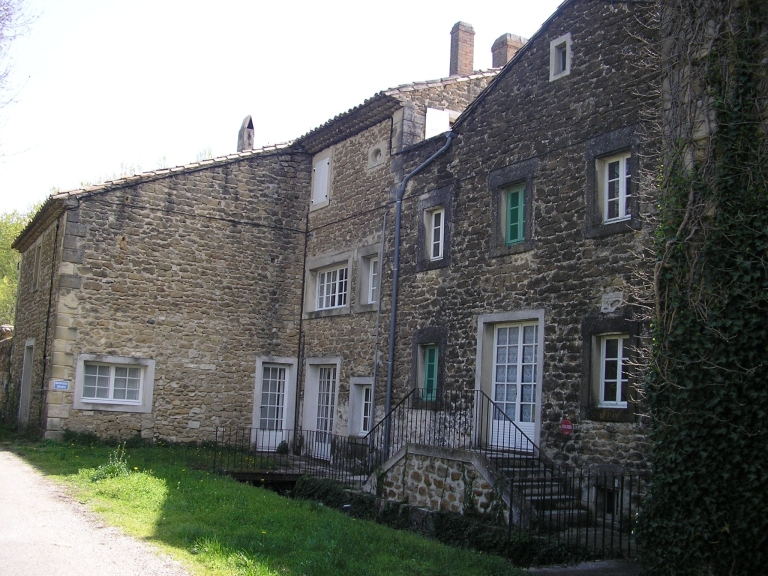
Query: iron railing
553, 503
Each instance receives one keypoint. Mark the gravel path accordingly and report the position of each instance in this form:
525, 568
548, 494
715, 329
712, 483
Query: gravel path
43, 531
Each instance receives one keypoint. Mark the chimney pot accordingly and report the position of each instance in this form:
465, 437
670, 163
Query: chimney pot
245, 136
505, 48
462, 49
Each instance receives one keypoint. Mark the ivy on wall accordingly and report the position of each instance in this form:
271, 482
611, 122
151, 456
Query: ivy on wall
707, 508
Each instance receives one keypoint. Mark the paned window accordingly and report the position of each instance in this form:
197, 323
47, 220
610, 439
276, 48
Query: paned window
613, 370
332, 287
436, 227
514, 225
373, 280
515, 371
272, 397
616, 189
429, 363
367, 415
112, 383
560, 57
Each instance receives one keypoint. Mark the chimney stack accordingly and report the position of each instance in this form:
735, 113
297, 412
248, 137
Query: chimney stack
245, 136
505, 48
462, 49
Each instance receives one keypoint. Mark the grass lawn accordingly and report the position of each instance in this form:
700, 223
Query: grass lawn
217, 526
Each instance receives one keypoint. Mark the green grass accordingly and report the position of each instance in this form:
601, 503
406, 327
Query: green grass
217, 526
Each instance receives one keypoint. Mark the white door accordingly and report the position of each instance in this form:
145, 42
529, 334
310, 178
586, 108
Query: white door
271, 428
326, 399
515, 374
26, 384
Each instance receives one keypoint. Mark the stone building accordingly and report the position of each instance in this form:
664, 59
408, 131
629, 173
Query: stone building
256, 289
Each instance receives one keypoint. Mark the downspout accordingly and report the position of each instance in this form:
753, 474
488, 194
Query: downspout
43, 387
395, 276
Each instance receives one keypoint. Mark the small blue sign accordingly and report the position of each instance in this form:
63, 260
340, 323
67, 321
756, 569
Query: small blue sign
61, 384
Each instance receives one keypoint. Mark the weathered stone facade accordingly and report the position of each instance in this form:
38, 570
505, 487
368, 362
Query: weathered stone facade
209, 277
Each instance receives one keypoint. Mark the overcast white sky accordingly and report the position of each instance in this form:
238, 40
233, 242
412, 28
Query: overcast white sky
101, 85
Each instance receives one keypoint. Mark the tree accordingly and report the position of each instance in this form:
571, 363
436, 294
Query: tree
11, 225
11, 21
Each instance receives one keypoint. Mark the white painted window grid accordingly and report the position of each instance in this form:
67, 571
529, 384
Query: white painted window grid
367, 413
436, 222
515, 368
373, 280
616, 179
108, 383
325, 401
272, 397
332, 287
614, 380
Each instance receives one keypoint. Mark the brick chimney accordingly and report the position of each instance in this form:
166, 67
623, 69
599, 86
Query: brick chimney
505, 48
462, 49
245, 135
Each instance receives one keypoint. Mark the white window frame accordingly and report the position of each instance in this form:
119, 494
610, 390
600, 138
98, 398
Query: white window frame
559, 49
315, 269
143, 404
334, 292
621, 382
361, 411
624, 199
435, 246
289, 392
374, 279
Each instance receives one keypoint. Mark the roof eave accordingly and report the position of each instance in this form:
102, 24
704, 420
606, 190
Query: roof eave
43, 218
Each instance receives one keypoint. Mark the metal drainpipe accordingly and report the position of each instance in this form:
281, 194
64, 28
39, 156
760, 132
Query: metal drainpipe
395, 276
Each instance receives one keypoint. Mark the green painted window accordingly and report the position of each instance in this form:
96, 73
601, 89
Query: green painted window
515, 224
430, 372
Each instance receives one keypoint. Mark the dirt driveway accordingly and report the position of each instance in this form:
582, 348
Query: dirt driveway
43, 531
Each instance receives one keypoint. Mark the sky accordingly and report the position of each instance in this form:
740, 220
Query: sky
100, 88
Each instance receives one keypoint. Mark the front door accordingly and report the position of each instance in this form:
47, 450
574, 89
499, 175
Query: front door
515, 376
26, 383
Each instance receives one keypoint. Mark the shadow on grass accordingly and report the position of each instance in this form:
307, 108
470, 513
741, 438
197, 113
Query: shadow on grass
222, 527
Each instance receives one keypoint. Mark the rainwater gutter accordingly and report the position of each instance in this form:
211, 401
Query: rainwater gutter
396, 275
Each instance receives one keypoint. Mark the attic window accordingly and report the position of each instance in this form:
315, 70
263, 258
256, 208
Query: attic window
560, 57
439, 121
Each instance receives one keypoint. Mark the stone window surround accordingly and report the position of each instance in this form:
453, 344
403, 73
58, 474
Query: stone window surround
592, 329
435, 335
363, 256
144, 406
357, 384
556, 47
318, 264
499, 181
623, 140
441, 198
36, 252
291, 366
485, 350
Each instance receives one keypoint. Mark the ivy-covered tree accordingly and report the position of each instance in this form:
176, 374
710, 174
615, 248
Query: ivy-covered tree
707, 508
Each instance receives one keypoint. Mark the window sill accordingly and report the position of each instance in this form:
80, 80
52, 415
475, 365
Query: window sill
371, 307
327, 312
610, 414
610, 228
509, 249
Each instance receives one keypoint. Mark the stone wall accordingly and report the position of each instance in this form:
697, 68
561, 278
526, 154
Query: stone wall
38, 282
528, 129
164, 270
440, 480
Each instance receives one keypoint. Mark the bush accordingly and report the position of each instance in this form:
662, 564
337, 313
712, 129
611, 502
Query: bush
115, 468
